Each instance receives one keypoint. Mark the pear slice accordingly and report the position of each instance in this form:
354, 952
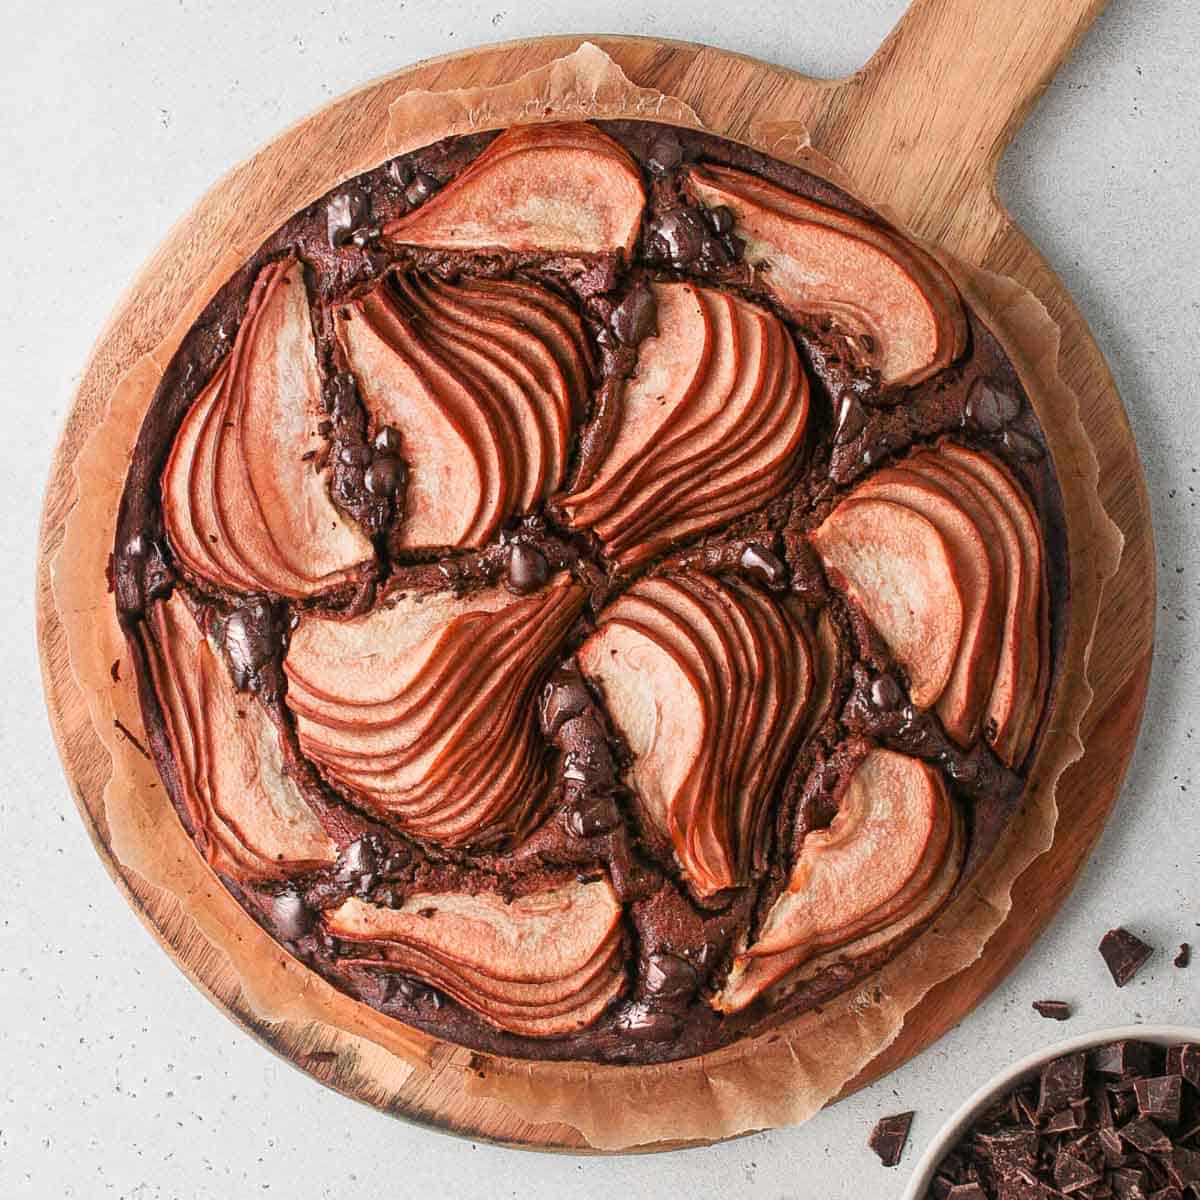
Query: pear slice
884, 867
566, 188
423, 709
542, 965
708, 682
485, 386
981, 573
708, 427
253, 820
896, 565
819, 262
1019, 695
242, 505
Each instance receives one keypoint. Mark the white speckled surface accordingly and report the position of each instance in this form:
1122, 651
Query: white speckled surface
117, 1078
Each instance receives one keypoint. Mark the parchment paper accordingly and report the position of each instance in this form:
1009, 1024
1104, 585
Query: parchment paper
781, 1077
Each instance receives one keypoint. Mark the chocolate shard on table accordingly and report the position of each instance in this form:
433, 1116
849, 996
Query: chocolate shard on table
1124, 954
1054, 1010
593, 592
889, 1137
1184, 957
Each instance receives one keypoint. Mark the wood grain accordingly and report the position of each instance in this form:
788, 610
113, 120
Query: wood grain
921, 127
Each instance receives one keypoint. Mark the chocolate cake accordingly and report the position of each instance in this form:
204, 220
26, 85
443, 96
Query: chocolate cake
594, 589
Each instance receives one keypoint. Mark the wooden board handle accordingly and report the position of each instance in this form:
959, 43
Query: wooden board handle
948, 89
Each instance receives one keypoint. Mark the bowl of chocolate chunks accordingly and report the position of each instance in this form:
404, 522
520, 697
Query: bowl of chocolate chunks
1111, 1115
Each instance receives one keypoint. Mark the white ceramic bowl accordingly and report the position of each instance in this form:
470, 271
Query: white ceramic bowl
1020, 1072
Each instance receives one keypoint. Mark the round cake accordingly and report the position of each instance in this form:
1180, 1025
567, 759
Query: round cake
594, 590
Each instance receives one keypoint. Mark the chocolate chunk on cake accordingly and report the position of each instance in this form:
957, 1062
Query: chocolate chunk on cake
595, 592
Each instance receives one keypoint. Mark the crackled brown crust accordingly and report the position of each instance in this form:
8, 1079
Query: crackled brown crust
673, 945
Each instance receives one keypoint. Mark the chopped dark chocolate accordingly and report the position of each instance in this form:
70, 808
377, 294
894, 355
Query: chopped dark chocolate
1144, 1135
291, 917
1129, 1183
1064, 1122
1071, 1173
889, 1137
763, 567
1184, 1060
1123, 1060
990, 405
1124, 954
1184, 957
1159, 1097
1054, 1010
636, 317
1014, 1152
528, 570
966, 1191
1183, 1168
1062, 1082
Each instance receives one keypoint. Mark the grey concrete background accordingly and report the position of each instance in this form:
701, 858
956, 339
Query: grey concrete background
117, 1078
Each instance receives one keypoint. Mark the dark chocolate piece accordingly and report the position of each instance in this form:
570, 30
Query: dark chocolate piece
1144, 1135
669, 977
420, 188
682, 233
665, 154
991, 406
290, 916
385, 476
885, 693
344, 213
1184, 1060
1183, 1168
528, 570
1129, 1183
1062, 1082
1064, 1122
1123, 1060
1071, 1173
592, 816
763, 567
1159, 1097
1054, 1010
889, 1137
1124, 954
1184, 957
636, 317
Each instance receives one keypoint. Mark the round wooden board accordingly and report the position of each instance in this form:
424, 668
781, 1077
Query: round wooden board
964, 97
